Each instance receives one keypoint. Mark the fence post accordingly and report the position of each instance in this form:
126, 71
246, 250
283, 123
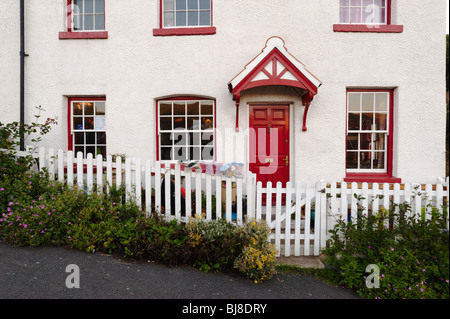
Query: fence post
344, 202
238, 201
167, 193
218, 196
158, 187
298, 216
51, 164
148, 187
138, 175
127, 178
60, 165
90, 174
42, 160
208, 197
118, 172
188, 190
198, 191
99, 174
80, 170
228, 202
70, 168
288, 213
178, 191
251, 183
320, 219
278, 218
269, 202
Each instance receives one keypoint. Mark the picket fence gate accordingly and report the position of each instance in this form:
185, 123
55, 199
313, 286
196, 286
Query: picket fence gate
300, 215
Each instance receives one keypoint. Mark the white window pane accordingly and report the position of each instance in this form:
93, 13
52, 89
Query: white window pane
77, 109
99, 6
88, 6
99, 108
344, 16
367, 101
208, 153
355, 2
180, 153
381, 121
205, 18
166, 153
79, 138
354, 102
77, 6
355, 15
181, 18
205, 4
169, 5
99, 22
168, 19
207, 108
192, 18
180, 5
88, 22
179, 108
380, 15
381, 102
192, 4
77, 22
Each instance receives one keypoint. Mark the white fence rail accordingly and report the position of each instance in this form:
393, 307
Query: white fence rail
299, 215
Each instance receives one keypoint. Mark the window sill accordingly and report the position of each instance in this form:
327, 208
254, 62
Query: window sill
83, 35
184, 31
368, 28
371, 178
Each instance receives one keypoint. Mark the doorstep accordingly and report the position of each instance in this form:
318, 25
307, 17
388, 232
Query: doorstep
302, 261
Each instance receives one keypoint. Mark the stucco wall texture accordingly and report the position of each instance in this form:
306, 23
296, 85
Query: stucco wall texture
133, 69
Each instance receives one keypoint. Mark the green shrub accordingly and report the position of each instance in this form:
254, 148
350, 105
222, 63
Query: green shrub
412, 254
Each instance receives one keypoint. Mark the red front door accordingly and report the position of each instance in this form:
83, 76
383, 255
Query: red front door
269, 143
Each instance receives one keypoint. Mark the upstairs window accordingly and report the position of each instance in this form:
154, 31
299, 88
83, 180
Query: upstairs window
88, 15
363, 12
186, 13
185, 17
366, 16
85, 20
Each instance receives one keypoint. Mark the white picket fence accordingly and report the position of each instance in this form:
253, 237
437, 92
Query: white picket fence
299, 215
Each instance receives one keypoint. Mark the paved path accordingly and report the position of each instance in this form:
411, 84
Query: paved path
41, 273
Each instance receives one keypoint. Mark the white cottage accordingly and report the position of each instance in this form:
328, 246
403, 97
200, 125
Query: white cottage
296, 90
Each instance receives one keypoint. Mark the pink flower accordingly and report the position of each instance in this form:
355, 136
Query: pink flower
25, 225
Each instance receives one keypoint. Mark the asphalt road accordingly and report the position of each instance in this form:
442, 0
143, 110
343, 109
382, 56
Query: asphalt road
40, 273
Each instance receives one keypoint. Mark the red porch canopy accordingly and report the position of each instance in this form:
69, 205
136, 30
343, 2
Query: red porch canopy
275, 66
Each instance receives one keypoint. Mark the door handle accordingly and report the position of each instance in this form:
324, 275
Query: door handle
286, 160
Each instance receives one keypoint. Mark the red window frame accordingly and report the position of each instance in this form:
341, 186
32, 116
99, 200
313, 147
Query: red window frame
161, 31
69, 34
377, 28
375, 177
69, 115
184, 98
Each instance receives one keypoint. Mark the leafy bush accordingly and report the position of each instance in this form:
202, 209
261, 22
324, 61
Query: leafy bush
412, 253
257, 260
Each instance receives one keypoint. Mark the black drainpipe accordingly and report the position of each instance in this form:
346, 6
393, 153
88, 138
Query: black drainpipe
22, 71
